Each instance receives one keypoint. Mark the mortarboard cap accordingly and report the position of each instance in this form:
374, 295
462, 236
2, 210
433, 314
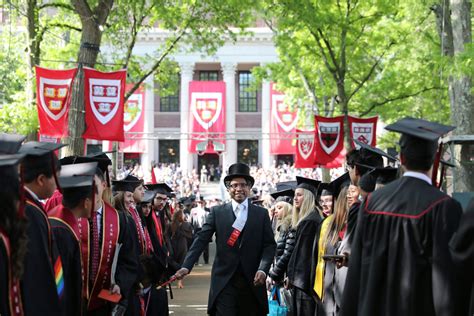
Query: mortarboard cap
161, 188
102, 163
419, 140
124, 185
10, 160
286, 185
148, 198
10, 143
308, 184
447, 164
284, 195
340, 182
325, 189
373, 150
39, 148
385, 175
77, 175
132, 178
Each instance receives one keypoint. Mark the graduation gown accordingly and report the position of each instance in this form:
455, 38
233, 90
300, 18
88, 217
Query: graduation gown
65, 232
127, 264
462, 250
400, 262
9, 287
38, 285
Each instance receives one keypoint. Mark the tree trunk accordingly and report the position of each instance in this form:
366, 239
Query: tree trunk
32, 25
90, 43
460, 95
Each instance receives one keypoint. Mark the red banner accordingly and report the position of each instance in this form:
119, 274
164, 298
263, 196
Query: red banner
134, 122
104, 96
53, 94
364, 130
329, 139
283, 121
206, 113
305, 149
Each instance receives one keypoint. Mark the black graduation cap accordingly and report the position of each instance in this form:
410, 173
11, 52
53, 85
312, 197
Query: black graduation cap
308, 184
284, 195
419, 138
77, 175
10, 143
338, 183
39, 148
385, 175
124, 185
161, 188
373, 150
7, 160
102, 163
286, 185
148, 198
447, 164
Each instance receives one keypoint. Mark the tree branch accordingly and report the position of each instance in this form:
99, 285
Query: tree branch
369, 73
83, 9
55, 5
44, 29
397, 98
102, 11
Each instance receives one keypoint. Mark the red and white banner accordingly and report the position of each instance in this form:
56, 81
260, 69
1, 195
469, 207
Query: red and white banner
104, 96
134, 122
305, 149
363, 130
283, 120
206, 113
329, 139
53, 94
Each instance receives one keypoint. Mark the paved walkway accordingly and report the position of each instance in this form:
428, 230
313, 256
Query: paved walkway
192, 300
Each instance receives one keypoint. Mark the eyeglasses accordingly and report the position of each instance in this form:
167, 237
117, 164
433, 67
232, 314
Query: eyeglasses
238, 185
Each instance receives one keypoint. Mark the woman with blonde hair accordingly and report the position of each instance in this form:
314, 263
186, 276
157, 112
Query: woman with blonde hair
306, 220
285, 236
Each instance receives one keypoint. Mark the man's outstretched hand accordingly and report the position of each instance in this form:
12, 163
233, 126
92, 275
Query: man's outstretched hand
260, 278
181, 273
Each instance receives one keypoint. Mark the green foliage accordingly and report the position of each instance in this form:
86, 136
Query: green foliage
18, 117
378, 57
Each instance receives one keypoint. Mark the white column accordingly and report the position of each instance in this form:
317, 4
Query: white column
230, 155
185, 158
266, 157
151, 153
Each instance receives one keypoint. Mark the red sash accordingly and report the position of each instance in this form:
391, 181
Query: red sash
43, 213
14, 295
110, 234
158, 228
143, 235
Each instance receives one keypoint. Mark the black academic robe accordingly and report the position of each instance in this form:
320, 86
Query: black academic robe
400, 262
69, 251
39, 292
462, 250
127, 266
4, 278
9, 286
254, 250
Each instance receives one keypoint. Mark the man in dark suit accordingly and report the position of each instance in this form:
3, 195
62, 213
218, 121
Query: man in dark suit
245, 250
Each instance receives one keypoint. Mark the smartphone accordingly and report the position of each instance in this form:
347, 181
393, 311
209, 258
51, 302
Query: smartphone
333, 257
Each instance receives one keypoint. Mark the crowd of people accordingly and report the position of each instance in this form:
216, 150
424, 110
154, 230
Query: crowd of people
376, 240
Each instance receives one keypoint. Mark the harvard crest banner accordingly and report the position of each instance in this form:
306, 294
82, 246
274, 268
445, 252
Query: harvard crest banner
206, 113
134, 121
283, 120
305, 149
329, 139
104, 96
364, 130
53, 97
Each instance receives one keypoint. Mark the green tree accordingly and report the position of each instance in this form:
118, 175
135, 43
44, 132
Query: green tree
358, 57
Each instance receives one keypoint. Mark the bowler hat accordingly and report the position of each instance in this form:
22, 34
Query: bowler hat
239, 170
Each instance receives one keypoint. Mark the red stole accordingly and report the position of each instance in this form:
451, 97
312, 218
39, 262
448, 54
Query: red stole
158, 228
143, 235
14, 294
65, 216
110, 233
